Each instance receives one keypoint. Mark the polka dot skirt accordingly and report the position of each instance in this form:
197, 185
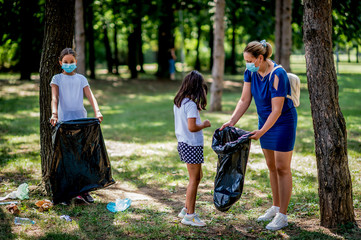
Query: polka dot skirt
190, 154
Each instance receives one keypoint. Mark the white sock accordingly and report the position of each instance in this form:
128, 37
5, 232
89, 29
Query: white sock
277, 208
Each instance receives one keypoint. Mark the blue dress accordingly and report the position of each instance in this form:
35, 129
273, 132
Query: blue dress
281, 136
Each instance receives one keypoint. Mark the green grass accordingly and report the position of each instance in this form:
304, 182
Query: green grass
139, 131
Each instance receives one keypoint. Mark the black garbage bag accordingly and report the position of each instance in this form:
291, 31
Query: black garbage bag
232, 146
80, 161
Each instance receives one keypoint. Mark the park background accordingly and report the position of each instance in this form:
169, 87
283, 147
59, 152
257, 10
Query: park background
136, 101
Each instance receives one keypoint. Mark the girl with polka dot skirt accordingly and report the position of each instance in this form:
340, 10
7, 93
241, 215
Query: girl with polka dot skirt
189, 101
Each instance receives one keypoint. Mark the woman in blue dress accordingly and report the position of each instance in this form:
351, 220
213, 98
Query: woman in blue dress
277, 121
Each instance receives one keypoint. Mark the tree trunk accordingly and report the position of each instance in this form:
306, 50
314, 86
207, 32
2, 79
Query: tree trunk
80, 36
165, 37
90, 37
218, 58
27, 32
335, 186
58, 13
138, 36
116, 57
283, 33
132, 56
233, 51
348, 54
211, 42
197, 65
356, 53
108, 51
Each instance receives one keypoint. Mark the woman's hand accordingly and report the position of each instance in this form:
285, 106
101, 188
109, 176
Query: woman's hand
99, 116
227, 124
257, 134
54, 119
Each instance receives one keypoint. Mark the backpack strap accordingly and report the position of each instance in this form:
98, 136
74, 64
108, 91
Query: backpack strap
270, 75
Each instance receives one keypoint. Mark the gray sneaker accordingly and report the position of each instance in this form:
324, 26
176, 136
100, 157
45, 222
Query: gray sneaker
182, 213
278, 222
270, 213
193, 220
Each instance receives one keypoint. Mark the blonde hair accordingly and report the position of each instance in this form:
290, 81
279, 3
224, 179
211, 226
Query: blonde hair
259, 48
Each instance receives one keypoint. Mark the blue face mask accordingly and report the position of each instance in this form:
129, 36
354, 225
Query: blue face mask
68, 67
251, 67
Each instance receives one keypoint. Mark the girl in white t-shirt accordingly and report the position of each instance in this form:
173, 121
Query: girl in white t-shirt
190, 99
68, 89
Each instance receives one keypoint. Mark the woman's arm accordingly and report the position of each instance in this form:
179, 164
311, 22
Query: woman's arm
88, 93
193, 127
277, 106
241, 107
54, 104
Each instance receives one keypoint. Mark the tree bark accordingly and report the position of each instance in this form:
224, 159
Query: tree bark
115, 36
335, 186
356, 53
218, 58
211, 42
165, 37
108, 51
58, 13
80, 36
27, 32
132, 56
90, 36
283, 33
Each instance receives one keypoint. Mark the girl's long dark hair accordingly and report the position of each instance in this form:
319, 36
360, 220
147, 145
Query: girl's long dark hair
194, 88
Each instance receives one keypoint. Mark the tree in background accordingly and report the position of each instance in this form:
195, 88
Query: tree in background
335, 186
218, 58
165, 36
58, 13
89, 32
80, 36
283, 33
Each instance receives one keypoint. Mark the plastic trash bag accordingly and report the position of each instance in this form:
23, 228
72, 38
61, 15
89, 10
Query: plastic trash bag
232, 146
80, 161
119, 205
21, 193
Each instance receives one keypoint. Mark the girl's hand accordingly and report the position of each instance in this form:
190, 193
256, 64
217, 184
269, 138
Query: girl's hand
257, 134
206, 123
54, 119
227, 124
99, 116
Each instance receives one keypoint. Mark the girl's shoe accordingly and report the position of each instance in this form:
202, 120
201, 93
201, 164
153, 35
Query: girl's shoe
278, 222
85, 197
182, 213
193, 220
270, 213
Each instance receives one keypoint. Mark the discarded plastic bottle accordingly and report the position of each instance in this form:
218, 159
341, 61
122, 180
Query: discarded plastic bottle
22, 221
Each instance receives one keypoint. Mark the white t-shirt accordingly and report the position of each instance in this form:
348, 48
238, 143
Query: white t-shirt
188, 109
70, 105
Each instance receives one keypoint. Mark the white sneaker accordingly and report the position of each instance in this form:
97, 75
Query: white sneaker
278, 222
182, 213
270, 213
193, 220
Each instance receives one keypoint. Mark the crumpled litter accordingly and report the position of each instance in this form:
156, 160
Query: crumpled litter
120, 205
13, 209
66, 218
44, 205
21, 193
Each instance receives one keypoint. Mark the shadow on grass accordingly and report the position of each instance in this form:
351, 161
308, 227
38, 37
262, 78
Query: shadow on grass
5, 226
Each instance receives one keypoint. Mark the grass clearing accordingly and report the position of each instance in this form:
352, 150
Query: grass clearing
139, 132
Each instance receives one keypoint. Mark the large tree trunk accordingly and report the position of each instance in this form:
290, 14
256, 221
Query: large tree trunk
283, 33
27, 32
165, 37
335, 186
115, 35
218, 58
58, 13
90, 36
211, 42
80, 36
132, 56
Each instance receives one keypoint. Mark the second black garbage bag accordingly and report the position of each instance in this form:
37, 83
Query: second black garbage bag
80, 161
232, 146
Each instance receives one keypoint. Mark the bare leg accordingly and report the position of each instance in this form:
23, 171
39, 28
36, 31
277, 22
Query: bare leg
195, 175
270, 159
283, 165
